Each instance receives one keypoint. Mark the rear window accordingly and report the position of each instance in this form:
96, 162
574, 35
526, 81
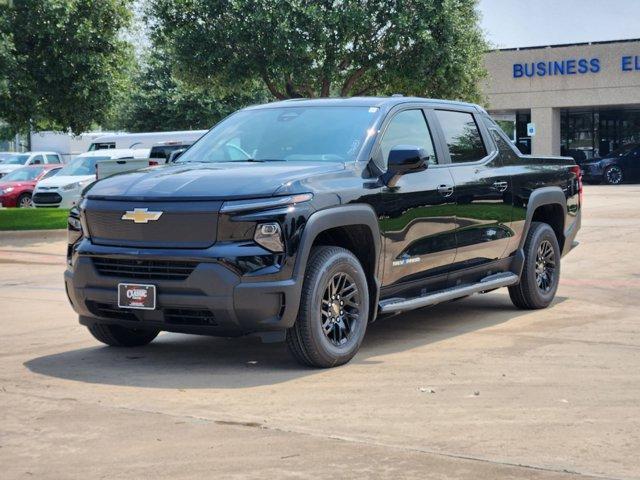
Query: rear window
462, 136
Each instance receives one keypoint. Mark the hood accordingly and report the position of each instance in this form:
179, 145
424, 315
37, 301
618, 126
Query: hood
62, 180
16, 184
211, 180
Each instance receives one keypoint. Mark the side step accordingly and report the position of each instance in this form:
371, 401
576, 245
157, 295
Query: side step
498, 280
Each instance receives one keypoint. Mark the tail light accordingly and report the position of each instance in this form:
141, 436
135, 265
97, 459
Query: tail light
576, 169
153, 163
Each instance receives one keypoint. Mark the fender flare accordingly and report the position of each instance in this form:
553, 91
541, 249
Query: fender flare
544, 196
340, 216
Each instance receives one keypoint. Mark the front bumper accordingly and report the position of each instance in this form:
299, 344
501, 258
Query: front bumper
212, 300
57, 199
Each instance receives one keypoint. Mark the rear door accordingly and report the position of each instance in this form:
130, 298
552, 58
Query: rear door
418, 225
482, 188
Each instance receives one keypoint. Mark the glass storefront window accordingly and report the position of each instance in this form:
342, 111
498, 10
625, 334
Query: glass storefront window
594, 133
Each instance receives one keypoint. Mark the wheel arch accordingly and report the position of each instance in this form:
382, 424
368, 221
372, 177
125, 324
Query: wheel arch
548, 205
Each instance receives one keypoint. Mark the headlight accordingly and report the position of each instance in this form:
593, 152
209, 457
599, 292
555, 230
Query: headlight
264, 203
269, 236
7, 190
71, 186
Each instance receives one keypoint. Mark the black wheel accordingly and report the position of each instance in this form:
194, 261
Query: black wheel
334, 309
24, 201
613, 175
117, 336
541, 272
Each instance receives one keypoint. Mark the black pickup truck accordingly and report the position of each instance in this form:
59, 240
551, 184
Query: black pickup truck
305, 220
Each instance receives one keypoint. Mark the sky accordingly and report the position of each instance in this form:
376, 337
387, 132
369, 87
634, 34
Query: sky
527, 23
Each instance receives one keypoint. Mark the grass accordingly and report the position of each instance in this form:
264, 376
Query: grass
33, 218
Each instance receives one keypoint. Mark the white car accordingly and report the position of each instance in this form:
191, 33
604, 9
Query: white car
63, 190
12, 161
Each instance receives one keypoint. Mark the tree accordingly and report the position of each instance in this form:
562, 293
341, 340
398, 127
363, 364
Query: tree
307, 48
159, 101
68, 60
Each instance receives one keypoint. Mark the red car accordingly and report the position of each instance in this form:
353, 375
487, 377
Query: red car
16, 187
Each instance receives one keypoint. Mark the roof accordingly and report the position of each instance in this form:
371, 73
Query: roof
380, 102
560, 45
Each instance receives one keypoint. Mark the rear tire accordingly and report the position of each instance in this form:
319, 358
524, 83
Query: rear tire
117, 336
541, 272
334, 309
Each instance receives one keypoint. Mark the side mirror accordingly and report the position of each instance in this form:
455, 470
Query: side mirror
404, 159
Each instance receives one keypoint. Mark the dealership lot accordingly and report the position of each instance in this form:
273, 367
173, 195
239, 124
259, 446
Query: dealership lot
470, 389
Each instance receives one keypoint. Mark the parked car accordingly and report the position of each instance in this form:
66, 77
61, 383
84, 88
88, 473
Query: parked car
18, 160
16, 188
305, 220
614, 168
63, 190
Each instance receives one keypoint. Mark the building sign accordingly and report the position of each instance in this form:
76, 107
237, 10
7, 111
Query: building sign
571, 66
531, 129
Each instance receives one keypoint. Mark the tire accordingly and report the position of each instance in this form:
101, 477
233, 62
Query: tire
334, 284
613, 175
542, 261
117, 336
24, 201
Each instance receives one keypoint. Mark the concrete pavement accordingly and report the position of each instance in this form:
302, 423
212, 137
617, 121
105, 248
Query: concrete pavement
544, 394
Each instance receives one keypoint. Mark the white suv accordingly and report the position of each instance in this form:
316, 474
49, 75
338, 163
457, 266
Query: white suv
13, 161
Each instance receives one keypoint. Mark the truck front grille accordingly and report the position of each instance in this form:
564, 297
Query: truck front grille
144, 269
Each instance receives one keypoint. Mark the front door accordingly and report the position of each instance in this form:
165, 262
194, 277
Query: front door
482, 190
418, 225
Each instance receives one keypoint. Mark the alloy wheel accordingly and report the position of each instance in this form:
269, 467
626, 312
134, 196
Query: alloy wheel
25, 202
340, 309
614, 175
545, 266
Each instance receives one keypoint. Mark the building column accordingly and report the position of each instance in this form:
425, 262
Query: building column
547, 138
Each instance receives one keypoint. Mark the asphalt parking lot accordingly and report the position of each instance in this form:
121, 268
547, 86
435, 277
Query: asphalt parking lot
470, 389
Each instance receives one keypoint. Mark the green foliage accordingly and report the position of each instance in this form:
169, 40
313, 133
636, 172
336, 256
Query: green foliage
326, 47
160, 102
33, 218
68, 62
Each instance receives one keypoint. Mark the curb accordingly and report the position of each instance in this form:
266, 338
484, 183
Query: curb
39, 235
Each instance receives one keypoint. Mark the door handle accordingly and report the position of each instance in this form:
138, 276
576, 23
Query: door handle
445, 190
500, 186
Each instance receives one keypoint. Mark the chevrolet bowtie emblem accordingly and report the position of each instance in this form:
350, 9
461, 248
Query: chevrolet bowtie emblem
141, 215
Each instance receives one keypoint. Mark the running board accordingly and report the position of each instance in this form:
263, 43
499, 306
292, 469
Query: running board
488, 283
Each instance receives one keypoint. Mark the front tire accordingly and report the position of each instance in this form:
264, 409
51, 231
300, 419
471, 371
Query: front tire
613, 175
541, 272
334, 309
24, 201
117, 336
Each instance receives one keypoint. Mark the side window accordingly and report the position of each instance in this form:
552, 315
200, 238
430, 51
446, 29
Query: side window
462, 136
53, 159
408, 127
37, 160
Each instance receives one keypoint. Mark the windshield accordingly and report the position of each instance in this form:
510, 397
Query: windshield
330, 134
16, 159
82, 166
623, 150
23, 174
